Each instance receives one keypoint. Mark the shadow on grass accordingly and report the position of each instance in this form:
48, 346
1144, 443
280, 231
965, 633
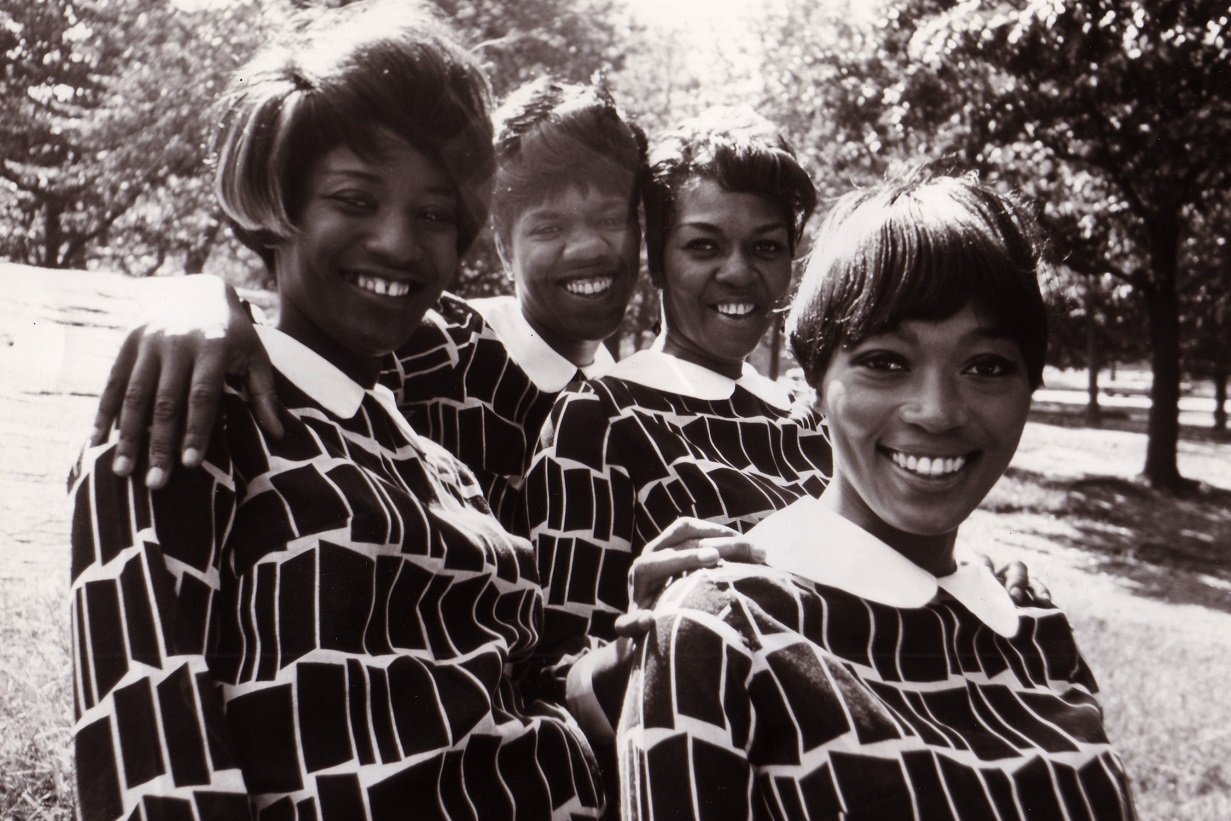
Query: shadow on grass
1120, 419
1163, 544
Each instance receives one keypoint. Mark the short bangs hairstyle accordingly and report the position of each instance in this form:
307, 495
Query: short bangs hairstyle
350, 76
921, 249
741, 151
550, 135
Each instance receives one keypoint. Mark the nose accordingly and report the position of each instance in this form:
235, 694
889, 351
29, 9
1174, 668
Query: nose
584, 244
736, 269
393, 238
937, 405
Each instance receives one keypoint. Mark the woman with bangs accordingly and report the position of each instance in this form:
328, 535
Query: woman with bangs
868, 669
322, 625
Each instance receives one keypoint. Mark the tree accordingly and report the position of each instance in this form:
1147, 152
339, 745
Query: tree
1114, 114
1207, 304
106, 104
1136, 96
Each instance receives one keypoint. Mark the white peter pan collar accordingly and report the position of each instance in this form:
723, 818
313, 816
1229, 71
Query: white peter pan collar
810, 540
547, 369
657, 369
321, 379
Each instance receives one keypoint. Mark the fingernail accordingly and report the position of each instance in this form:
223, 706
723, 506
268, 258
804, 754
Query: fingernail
122, 466
155, 477
758, 554
191, 457
708, 555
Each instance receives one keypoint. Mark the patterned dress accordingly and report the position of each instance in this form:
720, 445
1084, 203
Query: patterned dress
763, 693
477, 380
625, 455
310, 628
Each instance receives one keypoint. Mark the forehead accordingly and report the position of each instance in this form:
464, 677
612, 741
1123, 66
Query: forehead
704, 202
391, 160
971, 324
580, 196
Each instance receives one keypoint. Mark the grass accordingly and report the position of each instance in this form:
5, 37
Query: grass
1144, 577
1146, 581
35, 702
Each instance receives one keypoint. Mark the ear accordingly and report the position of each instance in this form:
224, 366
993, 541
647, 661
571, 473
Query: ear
501, 250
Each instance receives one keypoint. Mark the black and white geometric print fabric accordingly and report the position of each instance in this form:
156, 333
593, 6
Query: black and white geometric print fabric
619, 461
457, 384
763, 695
317, 627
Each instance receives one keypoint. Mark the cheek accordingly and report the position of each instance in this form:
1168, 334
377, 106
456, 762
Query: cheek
778, 280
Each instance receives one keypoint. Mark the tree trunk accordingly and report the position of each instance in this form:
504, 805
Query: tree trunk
1163, 308
1094, 414
198, 254
51, 235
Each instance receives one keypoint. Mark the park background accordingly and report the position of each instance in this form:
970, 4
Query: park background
1113, 116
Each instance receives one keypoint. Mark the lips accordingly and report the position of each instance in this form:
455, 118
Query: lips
380, 285
929, 466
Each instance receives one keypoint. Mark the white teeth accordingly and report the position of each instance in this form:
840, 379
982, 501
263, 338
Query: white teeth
735, 308
380, 285
588, 287
928, 465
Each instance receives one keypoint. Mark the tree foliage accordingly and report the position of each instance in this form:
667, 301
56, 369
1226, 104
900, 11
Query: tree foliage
111, 99
1115, 115
106, 108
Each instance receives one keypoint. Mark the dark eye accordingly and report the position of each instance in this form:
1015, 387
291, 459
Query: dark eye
546, 229
701, 246
769, 247
354, 201
881, 361
990, 366
438, 216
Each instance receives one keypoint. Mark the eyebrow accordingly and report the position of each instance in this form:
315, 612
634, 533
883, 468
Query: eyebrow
372, 177
550, 212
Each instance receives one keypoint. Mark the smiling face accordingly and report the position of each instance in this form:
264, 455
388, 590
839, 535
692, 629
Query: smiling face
726, 265
574, 259
376, 245
924, 419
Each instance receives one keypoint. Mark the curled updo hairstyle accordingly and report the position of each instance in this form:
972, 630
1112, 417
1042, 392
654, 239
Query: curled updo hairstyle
550, 135
741, 151
921, 248
352, 76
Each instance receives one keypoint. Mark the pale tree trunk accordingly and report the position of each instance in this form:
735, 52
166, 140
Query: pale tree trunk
1094, 414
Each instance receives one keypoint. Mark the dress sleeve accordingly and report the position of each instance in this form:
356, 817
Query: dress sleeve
688, 729
150, 730
579, 503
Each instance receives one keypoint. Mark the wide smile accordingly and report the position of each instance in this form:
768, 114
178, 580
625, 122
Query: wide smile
589, 287
381, 286
735, 310
932, 468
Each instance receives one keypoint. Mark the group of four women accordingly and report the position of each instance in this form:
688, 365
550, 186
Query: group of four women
429, 584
